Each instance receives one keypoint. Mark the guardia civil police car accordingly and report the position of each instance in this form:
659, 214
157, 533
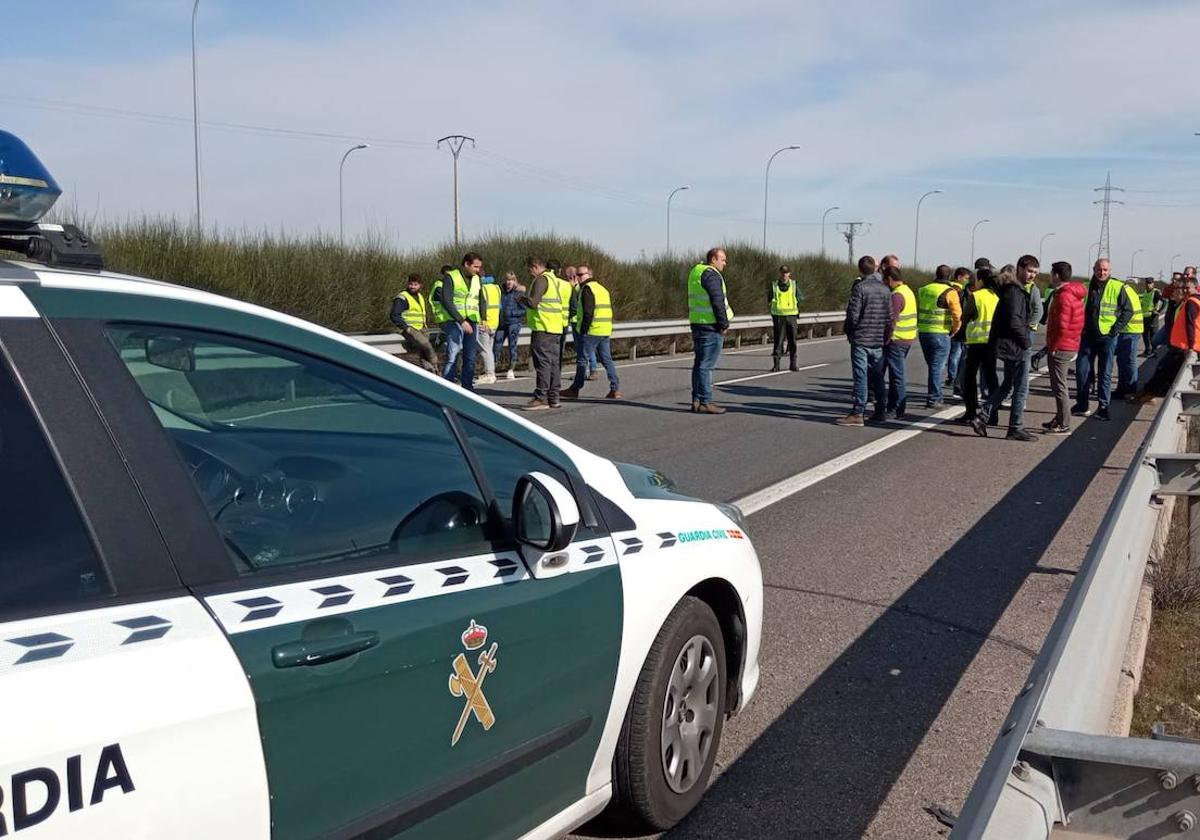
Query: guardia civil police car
260, 580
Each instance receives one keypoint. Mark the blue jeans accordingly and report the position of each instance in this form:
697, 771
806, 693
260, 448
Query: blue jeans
1127, 367
593, 347
895, 356
1016, 382
1094, 353
937, 350
958, 352
706, 344
867, 364
507, 334
460, 343
582, 348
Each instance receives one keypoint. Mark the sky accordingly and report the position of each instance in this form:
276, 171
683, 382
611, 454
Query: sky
586, 116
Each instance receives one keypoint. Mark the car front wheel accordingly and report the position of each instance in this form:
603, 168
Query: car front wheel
672, 729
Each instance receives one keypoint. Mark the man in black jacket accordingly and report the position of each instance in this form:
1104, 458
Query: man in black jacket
868, 327
1009, 342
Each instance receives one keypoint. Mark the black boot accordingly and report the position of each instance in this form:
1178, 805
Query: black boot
793, 366
774, 364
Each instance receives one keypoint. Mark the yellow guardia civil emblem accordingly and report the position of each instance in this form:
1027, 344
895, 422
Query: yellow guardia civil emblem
467, 683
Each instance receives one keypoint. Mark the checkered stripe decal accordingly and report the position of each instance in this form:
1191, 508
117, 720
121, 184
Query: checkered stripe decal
240, 612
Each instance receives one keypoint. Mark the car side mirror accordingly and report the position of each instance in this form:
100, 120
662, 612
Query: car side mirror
171, 353
544, 512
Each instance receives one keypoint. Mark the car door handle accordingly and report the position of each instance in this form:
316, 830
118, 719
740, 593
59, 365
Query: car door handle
320, 651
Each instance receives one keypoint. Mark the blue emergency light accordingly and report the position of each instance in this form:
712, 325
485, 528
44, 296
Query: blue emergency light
27, 192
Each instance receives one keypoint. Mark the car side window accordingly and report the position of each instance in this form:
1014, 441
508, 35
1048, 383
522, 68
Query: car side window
47, 560
300, 461
505, 461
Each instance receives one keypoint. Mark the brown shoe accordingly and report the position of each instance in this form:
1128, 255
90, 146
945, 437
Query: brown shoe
536, 405
569, 393
695, 406
613, 395
850, 420
710, 408
593, 376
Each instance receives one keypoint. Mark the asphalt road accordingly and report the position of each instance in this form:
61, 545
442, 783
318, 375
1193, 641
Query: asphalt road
906, 593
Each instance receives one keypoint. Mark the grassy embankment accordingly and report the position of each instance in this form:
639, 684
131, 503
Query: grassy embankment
349, 288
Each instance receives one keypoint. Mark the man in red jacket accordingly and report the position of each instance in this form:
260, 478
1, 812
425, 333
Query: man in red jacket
1064, 328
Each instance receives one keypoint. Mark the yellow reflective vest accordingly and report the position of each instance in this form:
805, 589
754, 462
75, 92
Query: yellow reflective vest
1137, 324
906, 322
932, 318
980, 329
414, 315
699, 304
466, 297
547, 316
491, 294
1109, 300
602, 312
783, 301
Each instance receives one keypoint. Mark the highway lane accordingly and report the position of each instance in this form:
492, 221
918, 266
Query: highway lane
905, 595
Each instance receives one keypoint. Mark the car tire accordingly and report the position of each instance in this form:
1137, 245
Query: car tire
657, 787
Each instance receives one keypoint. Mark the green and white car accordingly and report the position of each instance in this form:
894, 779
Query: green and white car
261, 580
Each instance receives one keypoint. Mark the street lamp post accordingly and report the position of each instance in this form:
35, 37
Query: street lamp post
1177, 256
974, 228
341, 167
917, 228
196, 118
823, 215
1132, 258
669, 197
1041, 243
766, 186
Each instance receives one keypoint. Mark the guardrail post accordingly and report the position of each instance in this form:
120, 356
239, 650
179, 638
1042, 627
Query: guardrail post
632, 350
671, 348
737, 339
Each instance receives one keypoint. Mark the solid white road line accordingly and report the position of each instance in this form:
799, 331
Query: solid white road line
781, 490
772, 373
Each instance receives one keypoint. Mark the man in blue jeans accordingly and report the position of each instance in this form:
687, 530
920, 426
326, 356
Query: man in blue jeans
455, 304
1106, 314
709, 314
867, 328
1009, 341
512, 318
593, 324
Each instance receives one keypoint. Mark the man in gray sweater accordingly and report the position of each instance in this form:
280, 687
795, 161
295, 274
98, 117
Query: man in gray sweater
868, 327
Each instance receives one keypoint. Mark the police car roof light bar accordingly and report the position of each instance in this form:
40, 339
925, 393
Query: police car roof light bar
61, 246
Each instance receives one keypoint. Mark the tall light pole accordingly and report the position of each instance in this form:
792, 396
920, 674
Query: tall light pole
196, 118
341, 167
1177, 256
1132, 258
455, 143
1041, 243
974, 228
917, 229
669, 197
823, 215
767, 184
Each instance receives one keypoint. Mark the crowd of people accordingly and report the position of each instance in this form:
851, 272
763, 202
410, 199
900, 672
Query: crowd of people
480, 319
976, 328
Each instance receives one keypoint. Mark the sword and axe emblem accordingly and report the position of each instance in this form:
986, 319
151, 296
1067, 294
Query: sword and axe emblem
465, 682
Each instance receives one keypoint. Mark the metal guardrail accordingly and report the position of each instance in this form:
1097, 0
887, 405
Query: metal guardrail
633, 330
1053, 771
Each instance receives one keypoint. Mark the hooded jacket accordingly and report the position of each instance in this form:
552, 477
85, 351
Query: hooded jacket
1064, 325
1010, 323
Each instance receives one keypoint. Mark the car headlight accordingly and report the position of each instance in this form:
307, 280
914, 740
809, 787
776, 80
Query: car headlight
735, 513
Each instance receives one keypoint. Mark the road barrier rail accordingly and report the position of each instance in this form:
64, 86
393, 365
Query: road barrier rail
1055, 770
808, 325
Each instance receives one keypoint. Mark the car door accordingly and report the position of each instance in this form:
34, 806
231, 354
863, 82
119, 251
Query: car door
412, 678
123, 712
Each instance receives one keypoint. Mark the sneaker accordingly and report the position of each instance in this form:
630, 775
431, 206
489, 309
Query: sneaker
1146, 398
556, 405
569, 393
965, 420
1102, 414
1058, 429
710, 408
1049, 424
536, 405
979, 427
900, 415
1080, 411
591, 377
486, 379
878, 417
1019, 434
1006, 403
511, 374
794, 368
935, 406
850, 420
695, 406
613, 395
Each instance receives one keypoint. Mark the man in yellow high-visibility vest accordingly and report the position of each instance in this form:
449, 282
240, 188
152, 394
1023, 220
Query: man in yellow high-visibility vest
592, 324
709, 314
455, 304
489, 323
1107, 313
409, 314
784, 298
545, 314
903, 334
